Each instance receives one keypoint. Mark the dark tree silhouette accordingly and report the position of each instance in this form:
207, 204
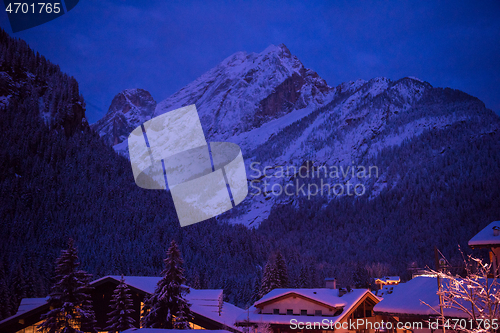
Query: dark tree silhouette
275, 274
120, 318
167, 307
69, 299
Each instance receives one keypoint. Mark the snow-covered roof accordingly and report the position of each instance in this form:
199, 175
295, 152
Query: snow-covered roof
406, 298
326, 296
487, 236
329, 297
148, 285
28, 304
144, 283
205, 302
387, 279
27, 307
228, 314
386, 289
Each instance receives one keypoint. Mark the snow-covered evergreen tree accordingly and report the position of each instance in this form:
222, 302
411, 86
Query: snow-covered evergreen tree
360, 276
281, 270
19, 288
120, 318
71, 307
5, 296
304, 280
167, 307
275, 274
255, 289
196, 281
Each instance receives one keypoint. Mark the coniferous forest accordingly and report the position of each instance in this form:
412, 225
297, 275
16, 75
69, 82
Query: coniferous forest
59, 180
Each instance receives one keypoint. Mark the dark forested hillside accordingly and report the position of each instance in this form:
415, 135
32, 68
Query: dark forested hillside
55, 94
58, 180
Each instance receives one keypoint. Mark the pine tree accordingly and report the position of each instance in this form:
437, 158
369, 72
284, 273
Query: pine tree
5, 297
304, 279
281, 269
360, 276
167, 307
71, 308
19, 288
313, 275
256, 289
120, 318
275, 274
196, 281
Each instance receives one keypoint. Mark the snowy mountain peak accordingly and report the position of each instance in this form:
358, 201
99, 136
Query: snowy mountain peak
414, 78
280, 50
248, 90
128, 109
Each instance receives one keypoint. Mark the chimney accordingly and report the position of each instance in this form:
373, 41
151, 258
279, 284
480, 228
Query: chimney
496, 231
331, 283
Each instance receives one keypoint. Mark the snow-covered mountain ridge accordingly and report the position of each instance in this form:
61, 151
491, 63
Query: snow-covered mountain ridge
246, 91
129, 109
284, 115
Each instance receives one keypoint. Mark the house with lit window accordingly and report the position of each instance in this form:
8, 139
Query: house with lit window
387, 280
312, 310
209, 310
489, 238
416, 302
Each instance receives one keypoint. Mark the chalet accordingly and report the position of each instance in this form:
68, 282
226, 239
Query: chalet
385, 285
489, 238
407, 303
209, 310
417, 301
387, 280
311, 310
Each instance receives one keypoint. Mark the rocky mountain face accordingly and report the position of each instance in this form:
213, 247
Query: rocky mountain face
129, 109
285, 117
246, 91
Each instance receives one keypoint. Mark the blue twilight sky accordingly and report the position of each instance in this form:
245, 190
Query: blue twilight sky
163, 45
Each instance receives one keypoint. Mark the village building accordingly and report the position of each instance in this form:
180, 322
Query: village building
209, 310
387, 280
414, 307
312, 310
489, 238
415, 301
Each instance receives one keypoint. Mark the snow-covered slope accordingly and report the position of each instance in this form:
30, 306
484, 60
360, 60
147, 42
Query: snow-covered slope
284, 117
